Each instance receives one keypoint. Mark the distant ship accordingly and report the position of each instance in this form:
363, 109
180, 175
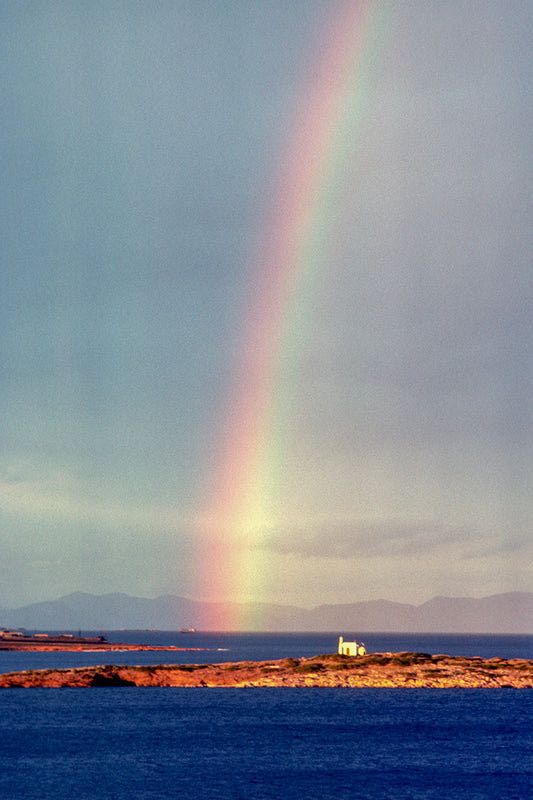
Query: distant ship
188, 630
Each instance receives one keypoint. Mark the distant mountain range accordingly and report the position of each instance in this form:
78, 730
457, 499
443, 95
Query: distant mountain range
501, 613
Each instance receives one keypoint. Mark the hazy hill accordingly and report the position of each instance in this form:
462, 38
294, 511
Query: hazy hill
501, 613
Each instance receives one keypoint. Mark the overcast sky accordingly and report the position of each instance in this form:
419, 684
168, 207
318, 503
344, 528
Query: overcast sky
140, 144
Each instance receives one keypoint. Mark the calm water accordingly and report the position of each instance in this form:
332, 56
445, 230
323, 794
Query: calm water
248, 744
113, 744
219, 647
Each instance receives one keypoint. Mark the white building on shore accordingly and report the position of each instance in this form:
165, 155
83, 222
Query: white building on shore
351, 648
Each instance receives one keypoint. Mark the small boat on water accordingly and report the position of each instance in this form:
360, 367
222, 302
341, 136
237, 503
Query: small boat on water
188, 630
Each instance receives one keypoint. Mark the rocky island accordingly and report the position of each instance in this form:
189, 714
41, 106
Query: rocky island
377, 670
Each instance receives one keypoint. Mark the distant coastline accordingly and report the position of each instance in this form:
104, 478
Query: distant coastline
17, 641
377, 670
508, 613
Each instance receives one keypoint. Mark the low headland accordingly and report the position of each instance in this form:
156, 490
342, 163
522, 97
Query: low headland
39, 642
376, 670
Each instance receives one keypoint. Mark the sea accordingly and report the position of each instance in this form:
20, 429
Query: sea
118, 743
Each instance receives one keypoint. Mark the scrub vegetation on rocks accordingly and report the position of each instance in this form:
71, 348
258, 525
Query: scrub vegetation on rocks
419, 670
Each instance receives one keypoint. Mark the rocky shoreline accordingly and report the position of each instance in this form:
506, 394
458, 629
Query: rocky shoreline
68, 643
377, 670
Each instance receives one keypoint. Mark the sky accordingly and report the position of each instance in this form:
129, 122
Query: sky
265, 319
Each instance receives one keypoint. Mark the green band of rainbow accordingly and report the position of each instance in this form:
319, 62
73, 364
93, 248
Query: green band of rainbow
237, 513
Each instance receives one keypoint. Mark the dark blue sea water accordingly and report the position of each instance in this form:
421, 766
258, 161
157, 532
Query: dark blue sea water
239, 744
255, 744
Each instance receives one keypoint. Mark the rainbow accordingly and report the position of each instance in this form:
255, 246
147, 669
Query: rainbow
237, 512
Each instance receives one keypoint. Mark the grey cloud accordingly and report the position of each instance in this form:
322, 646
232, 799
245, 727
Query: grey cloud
144, 145
505, 544
351, 540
